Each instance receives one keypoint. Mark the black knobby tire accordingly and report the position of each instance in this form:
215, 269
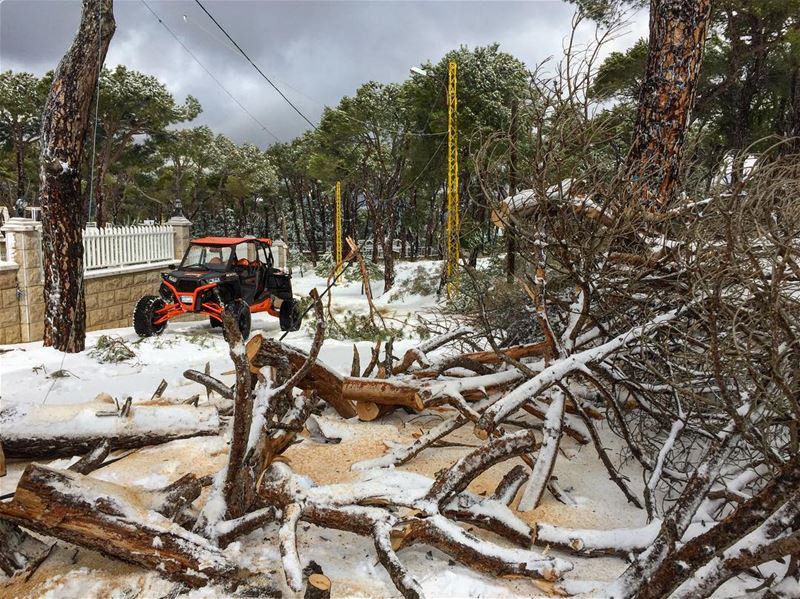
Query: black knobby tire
241, 312
215, 323
290, 315
144, 314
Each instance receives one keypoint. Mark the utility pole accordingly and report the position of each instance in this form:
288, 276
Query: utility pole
453, 225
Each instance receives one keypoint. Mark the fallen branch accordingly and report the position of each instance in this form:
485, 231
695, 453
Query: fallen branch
368, 508
559, 369
587, 542
511, 483
92, 460
30, 431
701, 549
115, 521
210, 383
546, 458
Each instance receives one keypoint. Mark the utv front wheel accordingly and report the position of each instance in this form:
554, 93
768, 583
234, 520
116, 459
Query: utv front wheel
290, 318
145, 313
241, 313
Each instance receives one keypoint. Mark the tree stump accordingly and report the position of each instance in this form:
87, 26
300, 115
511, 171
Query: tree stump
318, 587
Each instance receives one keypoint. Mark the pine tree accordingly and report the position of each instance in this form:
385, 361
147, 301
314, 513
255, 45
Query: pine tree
65, 122
678, 30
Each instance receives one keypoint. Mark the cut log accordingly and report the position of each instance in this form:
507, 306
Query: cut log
318, 587
381, 391
516, 352
369, 411
322, 378
115, 521
40, 431
340, 391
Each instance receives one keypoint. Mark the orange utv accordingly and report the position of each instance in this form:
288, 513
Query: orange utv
216, 273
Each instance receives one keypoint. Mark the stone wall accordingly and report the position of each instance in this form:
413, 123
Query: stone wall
111, 296
9, 305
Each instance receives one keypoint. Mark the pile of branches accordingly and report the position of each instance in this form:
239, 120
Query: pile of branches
700, 306
698, 301
277, 388
681, 330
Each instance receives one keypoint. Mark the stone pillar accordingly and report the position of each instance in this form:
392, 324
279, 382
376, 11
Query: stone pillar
280, 253
24, 247
182, 227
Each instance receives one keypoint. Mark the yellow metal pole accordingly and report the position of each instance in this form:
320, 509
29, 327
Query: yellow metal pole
338, 228
453, 225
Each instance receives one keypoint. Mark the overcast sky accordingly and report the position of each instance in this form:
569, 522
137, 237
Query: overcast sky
316, 52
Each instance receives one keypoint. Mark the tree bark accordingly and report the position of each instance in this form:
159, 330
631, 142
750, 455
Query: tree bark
65, 123
678, 31
114, 520
31, 431
702, 548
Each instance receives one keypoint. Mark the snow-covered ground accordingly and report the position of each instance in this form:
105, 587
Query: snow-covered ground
26, 376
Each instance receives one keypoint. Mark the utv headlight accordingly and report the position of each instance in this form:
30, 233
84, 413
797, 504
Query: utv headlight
171, 279
215, 280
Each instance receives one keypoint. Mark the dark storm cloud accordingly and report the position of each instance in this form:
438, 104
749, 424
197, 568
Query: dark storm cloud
316, 52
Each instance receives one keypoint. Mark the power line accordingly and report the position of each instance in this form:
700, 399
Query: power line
296, 109
260, 72
209, 73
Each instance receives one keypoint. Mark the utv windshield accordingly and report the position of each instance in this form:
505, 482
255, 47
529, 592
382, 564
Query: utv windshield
206, 257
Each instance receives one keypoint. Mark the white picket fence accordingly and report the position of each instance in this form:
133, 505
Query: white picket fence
112, 247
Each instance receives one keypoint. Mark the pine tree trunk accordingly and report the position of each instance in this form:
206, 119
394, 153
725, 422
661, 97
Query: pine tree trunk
321, 200
19, 148
308, 230
388, 246
65, 123
312, 229
793, 130
678, 31
98, 191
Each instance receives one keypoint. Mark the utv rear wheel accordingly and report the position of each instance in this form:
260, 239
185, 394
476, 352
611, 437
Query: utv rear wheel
290, 318
145, 313
241, 313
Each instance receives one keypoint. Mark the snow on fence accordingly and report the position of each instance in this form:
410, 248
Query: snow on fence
111, 247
